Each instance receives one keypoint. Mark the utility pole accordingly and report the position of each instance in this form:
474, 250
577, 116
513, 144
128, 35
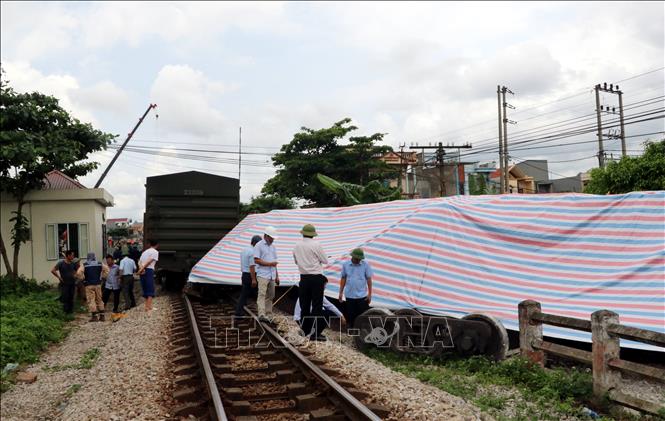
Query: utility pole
239, 153
506, 182
129, 136
502, 176
611, 110
623, 131
403, 166
601, 152
440, 154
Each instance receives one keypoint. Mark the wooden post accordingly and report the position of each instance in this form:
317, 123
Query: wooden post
605, 347
530, 331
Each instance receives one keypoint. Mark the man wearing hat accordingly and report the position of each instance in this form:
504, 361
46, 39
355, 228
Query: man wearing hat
265, 258
248, 277
310, 258
356, 285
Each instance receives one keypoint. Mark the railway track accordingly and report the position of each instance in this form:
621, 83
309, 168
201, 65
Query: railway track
248, 371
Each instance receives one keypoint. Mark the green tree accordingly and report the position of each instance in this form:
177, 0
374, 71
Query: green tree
120, 232
477, 184
319, 151
38, 136
646, 172
265, 203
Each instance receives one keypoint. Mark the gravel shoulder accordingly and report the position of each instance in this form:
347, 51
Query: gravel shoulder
101, 371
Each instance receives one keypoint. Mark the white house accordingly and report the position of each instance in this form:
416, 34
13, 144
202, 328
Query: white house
63, 215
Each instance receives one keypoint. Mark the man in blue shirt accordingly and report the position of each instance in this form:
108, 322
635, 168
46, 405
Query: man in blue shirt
356, 285
127, 270
267, 277
248, 277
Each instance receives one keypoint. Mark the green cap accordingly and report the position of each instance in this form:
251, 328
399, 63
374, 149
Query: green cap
309, 231
358, 253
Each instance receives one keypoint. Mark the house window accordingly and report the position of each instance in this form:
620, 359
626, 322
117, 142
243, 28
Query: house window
62, 237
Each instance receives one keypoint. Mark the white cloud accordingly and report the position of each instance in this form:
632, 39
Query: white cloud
421, 70
24, 78
104, 96
185, 99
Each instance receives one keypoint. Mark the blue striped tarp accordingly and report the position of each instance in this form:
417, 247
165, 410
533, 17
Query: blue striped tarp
574, 253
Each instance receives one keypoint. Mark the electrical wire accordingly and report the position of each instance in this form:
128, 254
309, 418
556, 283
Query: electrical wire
565, 98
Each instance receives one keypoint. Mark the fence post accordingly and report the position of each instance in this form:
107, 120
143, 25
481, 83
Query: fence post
604, 348
530, 331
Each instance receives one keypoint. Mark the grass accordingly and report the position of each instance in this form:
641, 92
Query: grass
31, 318
508, 390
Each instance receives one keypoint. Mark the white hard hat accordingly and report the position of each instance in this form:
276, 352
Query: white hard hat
271, 231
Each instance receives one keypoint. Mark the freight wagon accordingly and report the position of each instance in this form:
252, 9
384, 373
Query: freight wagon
188, 213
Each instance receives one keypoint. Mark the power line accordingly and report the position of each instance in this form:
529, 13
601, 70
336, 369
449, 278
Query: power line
473, 138
202, 150
521, 133
584, 90
171, 141
142, 163
195, 157
574, 131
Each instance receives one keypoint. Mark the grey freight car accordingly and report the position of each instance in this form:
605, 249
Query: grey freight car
188, 213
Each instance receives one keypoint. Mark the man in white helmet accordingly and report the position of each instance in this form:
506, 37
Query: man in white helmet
265, 257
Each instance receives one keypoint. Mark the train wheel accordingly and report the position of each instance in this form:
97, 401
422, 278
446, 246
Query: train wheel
375, 327
498, 344
411, 334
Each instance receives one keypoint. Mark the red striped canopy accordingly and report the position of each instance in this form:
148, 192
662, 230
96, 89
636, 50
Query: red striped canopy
574, 253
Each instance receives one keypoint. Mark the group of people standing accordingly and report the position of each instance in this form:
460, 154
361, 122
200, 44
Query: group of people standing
101, 280
313, 311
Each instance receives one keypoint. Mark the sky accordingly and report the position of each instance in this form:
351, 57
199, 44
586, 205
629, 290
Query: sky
419, 72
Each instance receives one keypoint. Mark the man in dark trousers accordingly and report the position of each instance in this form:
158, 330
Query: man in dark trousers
127, 269
328, 312
356, 285
248, 277
310, 258
65, 271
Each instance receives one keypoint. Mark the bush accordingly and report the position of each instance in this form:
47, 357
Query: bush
21, 286
31, 318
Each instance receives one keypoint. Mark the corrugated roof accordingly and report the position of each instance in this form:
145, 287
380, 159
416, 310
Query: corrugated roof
56, 180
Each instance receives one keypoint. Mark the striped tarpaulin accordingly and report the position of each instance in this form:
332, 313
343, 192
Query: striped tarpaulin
574, 253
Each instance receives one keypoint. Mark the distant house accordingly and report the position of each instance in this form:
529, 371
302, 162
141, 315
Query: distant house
518, 180
402, 163
113, 223
539, 170
477, 170
574, 184
63, 215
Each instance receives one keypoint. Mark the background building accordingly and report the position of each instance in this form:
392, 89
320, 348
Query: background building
63, 215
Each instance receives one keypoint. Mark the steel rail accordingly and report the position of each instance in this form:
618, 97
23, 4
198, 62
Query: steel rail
352, 407
217, 404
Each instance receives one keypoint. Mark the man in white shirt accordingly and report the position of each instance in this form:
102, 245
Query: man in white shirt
265, 259
310, 258
248, 277
147, 262
327, 313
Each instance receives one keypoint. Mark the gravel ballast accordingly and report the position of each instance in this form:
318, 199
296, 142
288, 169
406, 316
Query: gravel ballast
127, 378
406, 397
